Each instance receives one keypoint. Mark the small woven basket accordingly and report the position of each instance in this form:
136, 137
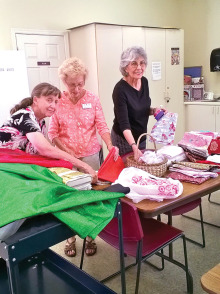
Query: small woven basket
156, 169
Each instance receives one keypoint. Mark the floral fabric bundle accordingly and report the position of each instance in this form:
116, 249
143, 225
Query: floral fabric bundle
146, 186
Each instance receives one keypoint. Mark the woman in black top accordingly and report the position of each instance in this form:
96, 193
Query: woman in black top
132, 104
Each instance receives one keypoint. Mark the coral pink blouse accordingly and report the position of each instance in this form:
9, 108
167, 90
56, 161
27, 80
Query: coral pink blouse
76, 125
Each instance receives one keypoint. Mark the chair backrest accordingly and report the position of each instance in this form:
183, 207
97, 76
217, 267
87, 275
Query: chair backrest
132, 229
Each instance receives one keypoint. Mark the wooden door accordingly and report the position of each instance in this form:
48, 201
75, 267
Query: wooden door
44, 54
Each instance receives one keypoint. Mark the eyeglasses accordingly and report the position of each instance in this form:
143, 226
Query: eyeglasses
134, 64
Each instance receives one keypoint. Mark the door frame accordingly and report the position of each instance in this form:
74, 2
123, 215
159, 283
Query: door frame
65, 34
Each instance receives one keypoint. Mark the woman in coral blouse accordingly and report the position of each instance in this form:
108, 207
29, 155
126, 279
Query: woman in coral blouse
74, 126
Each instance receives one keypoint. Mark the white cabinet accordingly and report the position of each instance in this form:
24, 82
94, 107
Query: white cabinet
202, 117
100, 47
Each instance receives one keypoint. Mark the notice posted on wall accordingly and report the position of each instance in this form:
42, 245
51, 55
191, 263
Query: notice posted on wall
175, 56
13, 80
156, 71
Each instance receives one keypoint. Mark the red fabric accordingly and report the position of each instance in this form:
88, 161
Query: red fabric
208, 162
214, 146
185, 178
19, 156
110, 169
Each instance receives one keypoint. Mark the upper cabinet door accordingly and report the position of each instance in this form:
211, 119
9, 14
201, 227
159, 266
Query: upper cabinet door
109, 49
156, 66
83, 45
174, 76
133, 36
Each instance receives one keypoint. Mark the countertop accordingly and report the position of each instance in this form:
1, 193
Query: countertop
202, 102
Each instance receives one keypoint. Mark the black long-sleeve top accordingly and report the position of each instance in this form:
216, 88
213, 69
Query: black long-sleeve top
131, 108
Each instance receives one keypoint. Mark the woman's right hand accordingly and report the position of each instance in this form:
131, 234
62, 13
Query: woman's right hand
137, 152
89, 170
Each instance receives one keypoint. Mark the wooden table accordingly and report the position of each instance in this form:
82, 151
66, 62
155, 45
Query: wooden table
210, 281
149, 208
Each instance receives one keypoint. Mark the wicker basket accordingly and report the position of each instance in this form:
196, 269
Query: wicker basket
157, 169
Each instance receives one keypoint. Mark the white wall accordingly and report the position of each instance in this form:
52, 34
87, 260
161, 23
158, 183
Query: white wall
64, 14
201, 23
199, 19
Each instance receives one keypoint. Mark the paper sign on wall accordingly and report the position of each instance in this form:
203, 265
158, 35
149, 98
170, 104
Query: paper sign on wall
13, 81
156, 71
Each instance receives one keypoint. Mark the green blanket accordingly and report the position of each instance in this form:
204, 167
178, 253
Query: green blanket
28, 190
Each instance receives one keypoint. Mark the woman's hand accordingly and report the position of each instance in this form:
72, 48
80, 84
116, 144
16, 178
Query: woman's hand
137, 152
116, 152
87, 169
160, 108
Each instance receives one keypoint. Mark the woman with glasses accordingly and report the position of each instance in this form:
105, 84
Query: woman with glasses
132, 104
74, 126
25, 129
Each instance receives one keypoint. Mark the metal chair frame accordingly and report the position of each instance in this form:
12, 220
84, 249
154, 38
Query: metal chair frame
212, 201
139, 225
204, 222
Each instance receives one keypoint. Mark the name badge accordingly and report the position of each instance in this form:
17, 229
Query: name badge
86, 105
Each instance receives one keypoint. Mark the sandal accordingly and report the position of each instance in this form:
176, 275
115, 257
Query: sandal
69, 247
90, 247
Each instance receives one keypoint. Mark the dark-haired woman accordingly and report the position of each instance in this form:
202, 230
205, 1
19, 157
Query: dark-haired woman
25, 130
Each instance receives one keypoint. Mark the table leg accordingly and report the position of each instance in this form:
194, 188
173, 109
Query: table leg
121, 247
171, 245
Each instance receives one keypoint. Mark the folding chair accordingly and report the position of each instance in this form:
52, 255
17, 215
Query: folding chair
209, 199
143, 238
184, 209
188, 207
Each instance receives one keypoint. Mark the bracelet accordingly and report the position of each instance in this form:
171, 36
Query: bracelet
133, 144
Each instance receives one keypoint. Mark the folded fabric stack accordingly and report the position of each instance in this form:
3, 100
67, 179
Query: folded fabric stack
146, 186
172, 153
195, 144
194, 173
73, 178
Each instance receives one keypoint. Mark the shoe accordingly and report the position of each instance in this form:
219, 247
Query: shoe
90, 247
69, 247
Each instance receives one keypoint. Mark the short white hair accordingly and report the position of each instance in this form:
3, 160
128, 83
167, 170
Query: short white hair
71, 68
131, 54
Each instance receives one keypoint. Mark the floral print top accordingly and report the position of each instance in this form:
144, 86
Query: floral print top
13, 131
76, 125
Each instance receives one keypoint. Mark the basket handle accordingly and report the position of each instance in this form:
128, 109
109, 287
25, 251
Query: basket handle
145, 134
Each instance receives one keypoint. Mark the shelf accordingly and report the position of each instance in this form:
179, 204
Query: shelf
49, 273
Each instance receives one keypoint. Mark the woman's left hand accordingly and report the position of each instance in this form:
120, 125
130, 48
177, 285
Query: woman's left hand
161, 108
116, 152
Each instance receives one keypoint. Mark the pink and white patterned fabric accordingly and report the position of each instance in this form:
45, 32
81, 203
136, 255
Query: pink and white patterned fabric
146, 186
196, 143
76, 125
164, 129
184, 178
